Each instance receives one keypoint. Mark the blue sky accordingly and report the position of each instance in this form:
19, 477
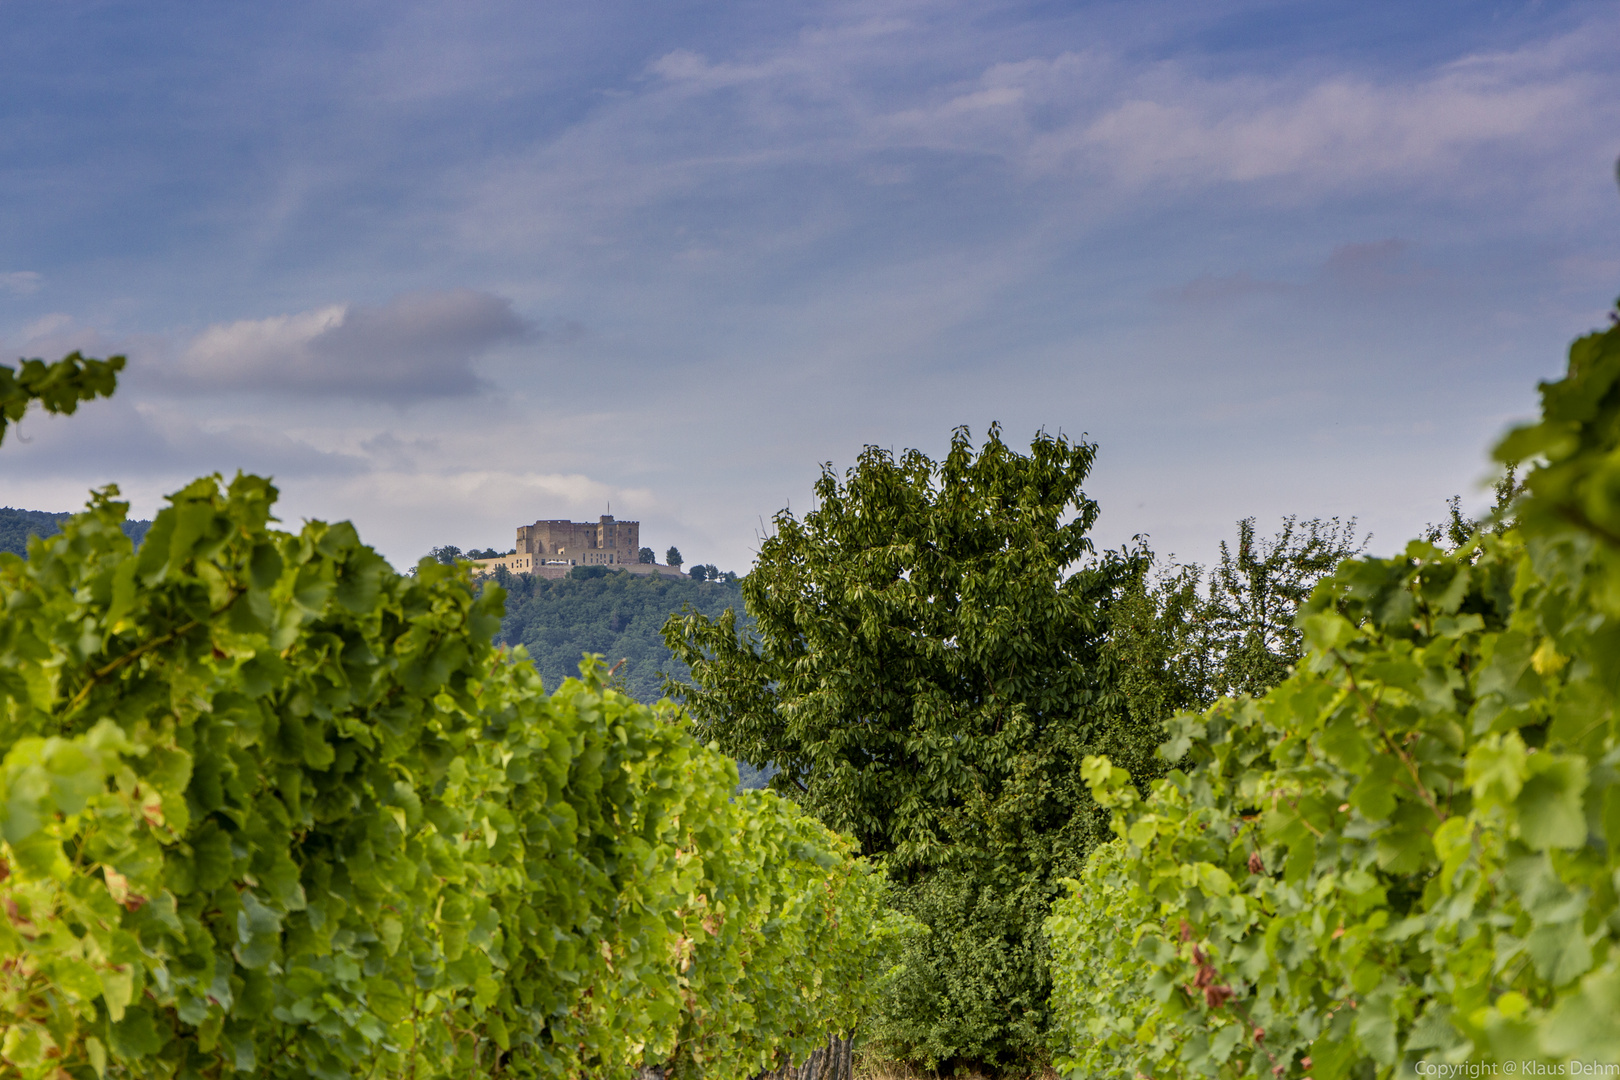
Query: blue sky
448, 268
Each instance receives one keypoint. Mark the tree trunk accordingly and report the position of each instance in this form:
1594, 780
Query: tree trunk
836, 1061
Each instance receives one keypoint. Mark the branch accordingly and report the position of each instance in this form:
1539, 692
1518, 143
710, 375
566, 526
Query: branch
1404, 757
101, 673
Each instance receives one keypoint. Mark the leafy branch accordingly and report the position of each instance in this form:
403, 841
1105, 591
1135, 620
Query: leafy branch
59, 387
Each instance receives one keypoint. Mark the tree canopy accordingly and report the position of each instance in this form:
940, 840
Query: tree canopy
926, 669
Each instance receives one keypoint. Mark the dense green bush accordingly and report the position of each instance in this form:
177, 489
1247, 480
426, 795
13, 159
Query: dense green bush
1408, 853
268, 806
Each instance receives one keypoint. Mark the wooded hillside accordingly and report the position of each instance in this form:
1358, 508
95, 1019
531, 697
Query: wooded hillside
618, 615
16, 526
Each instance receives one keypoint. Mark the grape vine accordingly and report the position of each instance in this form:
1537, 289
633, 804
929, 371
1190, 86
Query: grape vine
268, 806
1407, 854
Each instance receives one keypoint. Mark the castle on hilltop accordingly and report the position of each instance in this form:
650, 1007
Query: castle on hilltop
552, 548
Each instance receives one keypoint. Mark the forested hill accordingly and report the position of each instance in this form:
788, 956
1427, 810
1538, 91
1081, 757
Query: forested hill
16, 526
616, 614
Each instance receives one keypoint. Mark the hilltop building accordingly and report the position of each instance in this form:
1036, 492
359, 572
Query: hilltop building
551, 548
579, 543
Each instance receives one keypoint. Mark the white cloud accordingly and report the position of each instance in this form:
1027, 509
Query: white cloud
1095, 115
47, 326
418, 345
1338, 133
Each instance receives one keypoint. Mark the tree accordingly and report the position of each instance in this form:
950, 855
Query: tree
1458, 530
926, 669
1255, 593
58, 387
699, 573
448, 554
711, 572
673, 556
645, 555
1186, 636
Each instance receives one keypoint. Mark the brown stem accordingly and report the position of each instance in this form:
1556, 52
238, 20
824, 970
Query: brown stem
1405, 758
135, 654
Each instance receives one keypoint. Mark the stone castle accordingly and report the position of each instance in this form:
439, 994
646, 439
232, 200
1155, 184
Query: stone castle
552, 548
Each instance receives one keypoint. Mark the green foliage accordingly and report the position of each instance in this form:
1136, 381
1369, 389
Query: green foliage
673, 556
59, 387
926, 669
1181, 638
1100, 984
645, 555
267, 806
1247, 632
1410, 849
16, 526
617, 615
1459, 530
1186, 637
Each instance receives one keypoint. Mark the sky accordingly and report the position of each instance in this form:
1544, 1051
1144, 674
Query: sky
443, 269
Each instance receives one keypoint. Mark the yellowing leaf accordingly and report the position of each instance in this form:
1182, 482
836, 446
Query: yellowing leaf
117, 987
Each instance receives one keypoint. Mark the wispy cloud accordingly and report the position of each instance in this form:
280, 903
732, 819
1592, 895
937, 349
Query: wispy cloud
126, 439
1369, 268
1083, 111
20, 282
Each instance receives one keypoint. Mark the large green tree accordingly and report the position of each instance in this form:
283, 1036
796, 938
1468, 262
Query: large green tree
927, 669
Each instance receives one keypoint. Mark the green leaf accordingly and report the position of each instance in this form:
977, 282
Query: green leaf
1326, 631
1585, 1024
1560, 952
390, 1001
1497, 768
117, 988
1549, 806
135, 1036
